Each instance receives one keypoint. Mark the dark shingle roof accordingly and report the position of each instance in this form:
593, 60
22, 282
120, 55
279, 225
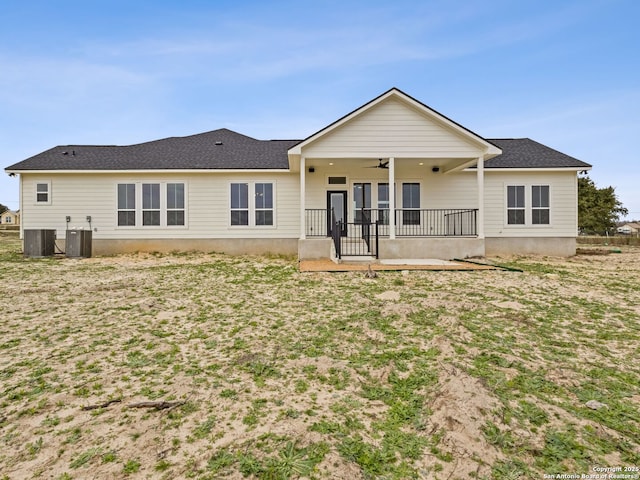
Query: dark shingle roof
218, 149
225, 149
525, 153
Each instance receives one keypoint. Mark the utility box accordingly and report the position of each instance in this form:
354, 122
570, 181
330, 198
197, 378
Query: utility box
39, 243
78, 243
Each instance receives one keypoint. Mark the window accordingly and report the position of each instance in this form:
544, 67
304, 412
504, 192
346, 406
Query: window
337, 180
254, 210
362, 200
383, 203
540, 204
42, 192
264, 203
515, 205
126, 204
411, 201
150, 204
239, 204
175, 204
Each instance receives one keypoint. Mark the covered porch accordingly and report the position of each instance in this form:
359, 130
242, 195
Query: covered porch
392, 179
351, 211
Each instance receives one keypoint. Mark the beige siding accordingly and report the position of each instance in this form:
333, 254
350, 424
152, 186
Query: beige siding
437, 190
207, 205
563, 199
392, 129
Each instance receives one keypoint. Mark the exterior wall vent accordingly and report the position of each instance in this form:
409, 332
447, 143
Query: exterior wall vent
39, 243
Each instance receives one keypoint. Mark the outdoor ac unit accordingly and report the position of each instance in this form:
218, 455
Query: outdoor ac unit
78, 243
39, 243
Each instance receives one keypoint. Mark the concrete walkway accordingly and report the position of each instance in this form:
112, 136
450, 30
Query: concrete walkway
327, 265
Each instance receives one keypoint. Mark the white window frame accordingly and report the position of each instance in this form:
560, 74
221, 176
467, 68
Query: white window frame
517, 208
152, 208
139, 210
251, 205
136, 220
540, 207
528, 206
403, 209
257, 209
48, 193
175, 209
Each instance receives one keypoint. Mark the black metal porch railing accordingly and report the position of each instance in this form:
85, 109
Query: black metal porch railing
436, 222
316, 222
448, 222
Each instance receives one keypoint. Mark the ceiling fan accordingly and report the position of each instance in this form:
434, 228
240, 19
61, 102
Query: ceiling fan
381, 164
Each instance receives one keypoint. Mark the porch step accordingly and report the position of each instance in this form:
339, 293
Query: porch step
356, 259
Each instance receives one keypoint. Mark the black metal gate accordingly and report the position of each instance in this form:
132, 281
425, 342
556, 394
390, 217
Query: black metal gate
360, 240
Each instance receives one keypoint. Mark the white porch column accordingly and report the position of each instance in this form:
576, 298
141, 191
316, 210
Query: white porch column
392, 198
480, 178
303, 176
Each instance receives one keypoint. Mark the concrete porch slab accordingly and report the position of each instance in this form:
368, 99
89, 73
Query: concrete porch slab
327, 265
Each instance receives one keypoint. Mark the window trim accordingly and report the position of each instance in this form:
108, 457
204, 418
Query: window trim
528, 206
541, 208
233, 209
139, 211
151, 208
134, 209
251, 205
167, 209
48, 193
516, 208
406, 210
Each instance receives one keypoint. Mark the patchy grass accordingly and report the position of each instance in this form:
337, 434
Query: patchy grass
279, 374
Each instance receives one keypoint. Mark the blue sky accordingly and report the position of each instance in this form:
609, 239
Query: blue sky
565, 73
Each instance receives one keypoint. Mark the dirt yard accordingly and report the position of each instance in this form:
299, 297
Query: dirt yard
255, 370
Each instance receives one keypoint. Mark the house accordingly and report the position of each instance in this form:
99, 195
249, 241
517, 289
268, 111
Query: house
9, 217
392, 179
629, 228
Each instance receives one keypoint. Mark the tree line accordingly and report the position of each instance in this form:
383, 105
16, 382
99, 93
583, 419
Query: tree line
599, 209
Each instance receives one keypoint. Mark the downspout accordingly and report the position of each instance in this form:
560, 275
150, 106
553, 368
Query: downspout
392, 198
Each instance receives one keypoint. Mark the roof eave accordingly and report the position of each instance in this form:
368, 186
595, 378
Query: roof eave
156, 170
533, 169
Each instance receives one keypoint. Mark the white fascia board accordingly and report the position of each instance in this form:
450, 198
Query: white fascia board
546, 169
197, 170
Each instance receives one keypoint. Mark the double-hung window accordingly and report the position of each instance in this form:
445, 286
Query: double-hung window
126, 204
175, 204
42, 193
239, 204
252, 204
515, 205
264, 203
150, 204
411, 203
540, 204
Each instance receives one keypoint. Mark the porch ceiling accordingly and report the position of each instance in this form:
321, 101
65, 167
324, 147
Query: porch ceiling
340, 164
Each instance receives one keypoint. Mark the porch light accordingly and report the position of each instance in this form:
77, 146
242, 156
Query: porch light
421, 163
330, 163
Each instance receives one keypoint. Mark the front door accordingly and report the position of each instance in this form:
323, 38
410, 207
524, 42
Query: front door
337, 203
